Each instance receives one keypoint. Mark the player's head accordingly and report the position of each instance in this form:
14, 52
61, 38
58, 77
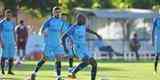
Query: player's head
64, 16
21, 22
135, 35
8, 14
56, 12
81, 19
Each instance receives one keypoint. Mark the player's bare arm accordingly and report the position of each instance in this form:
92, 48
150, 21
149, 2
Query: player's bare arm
94, 33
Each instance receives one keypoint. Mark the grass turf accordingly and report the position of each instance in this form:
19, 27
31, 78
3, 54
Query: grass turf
106, 71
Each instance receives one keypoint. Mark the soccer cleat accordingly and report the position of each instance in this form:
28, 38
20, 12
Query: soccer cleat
33, 76
155, 70
70, 70
28, 78
3, 73
11, 73
59, 78
72, 77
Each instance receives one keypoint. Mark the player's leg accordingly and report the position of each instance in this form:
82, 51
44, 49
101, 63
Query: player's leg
71, 58
58, 69
83, 64
3, 64
11, 60
3, 58
23, 50
70, 62
38, 66
11, 54
137, 55
18, 56
47, 55
23, 54
156, 62
94, 68
58, 58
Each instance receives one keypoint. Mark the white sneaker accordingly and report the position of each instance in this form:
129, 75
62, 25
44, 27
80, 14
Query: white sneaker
59, 78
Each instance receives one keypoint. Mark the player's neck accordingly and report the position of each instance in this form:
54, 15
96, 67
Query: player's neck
55, 17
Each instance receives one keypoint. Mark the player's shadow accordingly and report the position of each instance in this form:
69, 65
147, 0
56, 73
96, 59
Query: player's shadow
51, 67
109, 69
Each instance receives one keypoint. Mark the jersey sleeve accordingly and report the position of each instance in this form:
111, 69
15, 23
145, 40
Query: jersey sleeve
70, 30
64, 27
44, 25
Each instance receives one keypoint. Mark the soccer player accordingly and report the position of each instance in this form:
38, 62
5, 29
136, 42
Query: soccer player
78, 34
69, 42
156, 40
52, 30
7, 34
135, 45
21, 38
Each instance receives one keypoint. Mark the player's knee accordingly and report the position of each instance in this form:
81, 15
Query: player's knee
85, 60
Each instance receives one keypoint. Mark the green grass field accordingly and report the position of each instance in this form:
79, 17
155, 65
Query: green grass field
106, 71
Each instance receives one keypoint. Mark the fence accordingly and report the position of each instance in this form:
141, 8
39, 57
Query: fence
122, 51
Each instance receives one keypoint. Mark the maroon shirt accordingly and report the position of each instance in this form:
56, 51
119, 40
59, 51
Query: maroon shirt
22, 33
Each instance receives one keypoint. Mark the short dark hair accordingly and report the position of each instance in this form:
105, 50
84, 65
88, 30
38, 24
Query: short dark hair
56, 8
21, 21
81, 15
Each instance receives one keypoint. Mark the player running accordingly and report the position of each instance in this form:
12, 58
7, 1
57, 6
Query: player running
7, 35
156, 40
52, 30
78, 35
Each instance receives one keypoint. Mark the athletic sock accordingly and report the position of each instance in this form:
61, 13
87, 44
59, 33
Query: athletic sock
79, 67
39, 65
70, 62
58, 68
10, 65
156, 63
2, 64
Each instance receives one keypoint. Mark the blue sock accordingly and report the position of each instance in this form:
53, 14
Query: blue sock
94, 68
39, 65
79, 67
